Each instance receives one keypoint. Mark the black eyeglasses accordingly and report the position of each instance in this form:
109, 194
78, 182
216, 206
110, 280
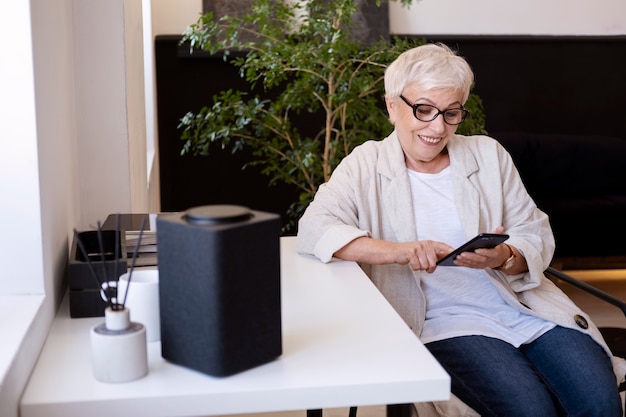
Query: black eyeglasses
428, 113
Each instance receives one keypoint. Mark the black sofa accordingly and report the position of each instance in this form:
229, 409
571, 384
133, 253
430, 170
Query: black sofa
580, 182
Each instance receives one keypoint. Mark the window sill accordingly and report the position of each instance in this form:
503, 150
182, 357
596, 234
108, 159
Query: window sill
18, 314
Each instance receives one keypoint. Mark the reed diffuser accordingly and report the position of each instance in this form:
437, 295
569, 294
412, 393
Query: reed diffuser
118, 346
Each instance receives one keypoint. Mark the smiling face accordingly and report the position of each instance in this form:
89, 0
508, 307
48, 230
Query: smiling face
424, 143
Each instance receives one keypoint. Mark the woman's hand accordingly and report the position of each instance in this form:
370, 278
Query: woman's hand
420, 255
493, 258
484, 258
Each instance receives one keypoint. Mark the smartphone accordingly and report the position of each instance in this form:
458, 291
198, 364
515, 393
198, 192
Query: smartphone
483, 240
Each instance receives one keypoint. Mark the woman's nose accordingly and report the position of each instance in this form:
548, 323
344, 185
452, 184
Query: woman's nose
438, 125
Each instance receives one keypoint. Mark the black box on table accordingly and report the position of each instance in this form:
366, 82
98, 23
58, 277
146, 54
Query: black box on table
85, 275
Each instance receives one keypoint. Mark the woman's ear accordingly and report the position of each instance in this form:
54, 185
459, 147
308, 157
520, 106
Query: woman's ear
391, 108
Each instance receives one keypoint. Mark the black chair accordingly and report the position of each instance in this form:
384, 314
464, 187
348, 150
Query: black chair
615, 337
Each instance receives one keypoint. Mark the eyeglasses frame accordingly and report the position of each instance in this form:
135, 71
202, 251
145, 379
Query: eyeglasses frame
415, 107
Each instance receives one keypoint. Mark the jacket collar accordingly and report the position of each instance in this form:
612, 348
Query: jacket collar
397, 202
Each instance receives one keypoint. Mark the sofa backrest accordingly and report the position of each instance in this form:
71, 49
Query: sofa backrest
568, 165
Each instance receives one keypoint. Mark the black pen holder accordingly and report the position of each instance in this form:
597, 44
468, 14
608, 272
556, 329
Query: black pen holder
84, 289
219, 288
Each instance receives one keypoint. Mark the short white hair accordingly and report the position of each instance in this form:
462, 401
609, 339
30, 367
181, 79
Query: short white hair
431, 66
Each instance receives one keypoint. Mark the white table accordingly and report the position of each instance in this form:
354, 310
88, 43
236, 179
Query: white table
343, 345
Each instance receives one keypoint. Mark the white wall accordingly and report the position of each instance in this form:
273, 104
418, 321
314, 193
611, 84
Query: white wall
172, 17
71, 113
38, 177
160, 17
111, 127
20, 220
506, 17
71, 121
475, 17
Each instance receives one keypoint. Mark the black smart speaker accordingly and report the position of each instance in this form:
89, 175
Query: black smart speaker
219, 288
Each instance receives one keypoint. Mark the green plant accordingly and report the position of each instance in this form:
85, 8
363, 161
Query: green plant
305, 53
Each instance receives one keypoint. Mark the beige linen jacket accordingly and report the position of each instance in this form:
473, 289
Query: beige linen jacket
369, 195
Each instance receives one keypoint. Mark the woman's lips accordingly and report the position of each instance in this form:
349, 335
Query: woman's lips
430, 139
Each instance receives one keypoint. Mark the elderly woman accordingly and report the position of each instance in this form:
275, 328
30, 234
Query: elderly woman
512, 342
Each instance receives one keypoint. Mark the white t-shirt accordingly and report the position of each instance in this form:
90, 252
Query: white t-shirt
461, 301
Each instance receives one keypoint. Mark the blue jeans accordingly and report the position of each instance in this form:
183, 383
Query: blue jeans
562, 373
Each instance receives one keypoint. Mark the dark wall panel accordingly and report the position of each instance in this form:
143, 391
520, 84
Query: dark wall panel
562, 85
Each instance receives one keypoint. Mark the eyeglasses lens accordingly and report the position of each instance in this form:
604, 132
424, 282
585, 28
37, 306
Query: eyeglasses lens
427, 113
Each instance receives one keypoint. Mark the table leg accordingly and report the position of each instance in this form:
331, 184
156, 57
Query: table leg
314, 413
399, 410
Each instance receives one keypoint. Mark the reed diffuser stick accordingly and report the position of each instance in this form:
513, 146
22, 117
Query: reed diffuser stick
132, 264
104, 269
86, 256
117, 248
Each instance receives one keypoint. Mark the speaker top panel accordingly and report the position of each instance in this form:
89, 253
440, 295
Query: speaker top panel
217, 214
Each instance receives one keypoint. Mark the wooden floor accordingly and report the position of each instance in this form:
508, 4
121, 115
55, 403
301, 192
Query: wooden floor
603, 314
